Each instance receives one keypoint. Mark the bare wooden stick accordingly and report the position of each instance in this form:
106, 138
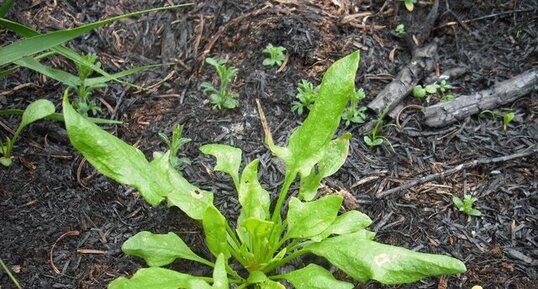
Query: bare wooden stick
456, 169
445, 113
422, 63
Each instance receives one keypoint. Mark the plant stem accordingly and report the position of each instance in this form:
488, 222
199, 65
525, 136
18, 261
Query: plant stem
285, 260
288, 179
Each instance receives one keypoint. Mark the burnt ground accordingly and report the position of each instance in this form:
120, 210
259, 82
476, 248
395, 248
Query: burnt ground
50, 191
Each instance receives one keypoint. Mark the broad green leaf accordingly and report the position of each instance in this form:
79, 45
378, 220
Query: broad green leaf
364, 259
180, 193
158, 278
228, 159
35, 44
214, 225
59, 117
332, 158
270, 284
113, 157
307, 219
431, 88
6, 162
159, 249
255, 201
347, 223
256, 234
303, 150
315, 277
255, 277
35, 111
220, 278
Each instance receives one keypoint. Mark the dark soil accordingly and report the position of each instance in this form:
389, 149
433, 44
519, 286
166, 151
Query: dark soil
50, 190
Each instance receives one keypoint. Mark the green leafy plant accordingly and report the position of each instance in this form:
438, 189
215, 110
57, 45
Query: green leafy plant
174, 145
466, 205
306, 96
221, 98
442, 88
276, 55
85, 103
400, 29
35, 111
353, 113
262, 240
409, 4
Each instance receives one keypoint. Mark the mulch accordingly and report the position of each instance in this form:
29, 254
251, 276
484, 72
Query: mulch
50, 190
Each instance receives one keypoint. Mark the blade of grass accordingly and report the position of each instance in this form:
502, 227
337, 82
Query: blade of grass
6, 269
8, 71
60, 117
5, 7
98, 80
36, 44
62, 50
60, 75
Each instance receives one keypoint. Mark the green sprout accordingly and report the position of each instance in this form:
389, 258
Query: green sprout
466, 205
221, 98
306, 97
375, 138
174, 145
85, 103
354, 113
507, 117
441, 89
400, 29
276, 55
409, 4
35, 111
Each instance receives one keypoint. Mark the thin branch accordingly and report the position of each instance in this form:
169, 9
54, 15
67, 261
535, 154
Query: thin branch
467, 165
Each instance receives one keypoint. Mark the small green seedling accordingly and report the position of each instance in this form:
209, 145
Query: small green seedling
421, 92
248, 251
353, 113
466, 205
221, 98
409, 4
37, 110
174, 145
85, 102
306, 97
276, 55
507, 117
375, 138
400, 29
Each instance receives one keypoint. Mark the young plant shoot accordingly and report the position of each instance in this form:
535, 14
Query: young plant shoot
35, 111
276, 55
306, 96
466, 205
266, 236
174, 145
400, 29
353, 113
221, 98
85, 102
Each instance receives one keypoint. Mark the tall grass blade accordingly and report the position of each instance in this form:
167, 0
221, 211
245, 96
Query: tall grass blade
5, 7
36, 44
